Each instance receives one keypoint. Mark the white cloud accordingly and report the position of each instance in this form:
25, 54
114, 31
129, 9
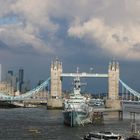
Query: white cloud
112, 24
32, 20
35, 13
15, 36
4, 10
116, 40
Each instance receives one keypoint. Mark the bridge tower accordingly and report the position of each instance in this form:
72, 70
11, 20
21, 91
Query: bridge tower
55, 100
113, 86
113, 80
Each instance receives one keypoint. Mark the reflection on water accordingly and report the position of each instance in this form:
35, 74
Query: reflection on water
42, 124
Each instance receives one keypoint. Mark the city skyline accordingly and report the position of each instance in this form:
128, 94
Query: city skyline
33, 33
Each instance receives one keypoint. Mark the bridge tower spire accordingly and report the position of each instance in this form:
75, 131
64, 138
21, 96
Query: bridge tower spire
55, 100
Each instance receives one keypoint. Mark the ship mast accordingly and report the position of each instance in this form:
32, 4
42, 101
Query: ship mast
77, 84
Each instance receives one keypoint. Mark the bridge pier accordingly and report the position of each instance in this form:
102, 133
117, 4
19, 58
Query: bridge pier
54, 103
114, 104
97, 117
120, 115
133, 122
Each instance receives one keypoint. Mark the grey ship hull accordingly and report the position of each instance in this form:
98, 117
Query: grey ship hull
74, 118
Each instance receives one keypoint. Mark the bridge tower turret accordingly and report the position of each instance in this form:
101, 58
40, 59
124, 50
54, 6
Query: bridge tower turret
55, 100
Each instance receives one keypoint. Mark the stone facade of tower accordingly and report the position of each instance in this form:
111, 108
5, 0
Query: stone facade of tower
113, 80
113, 85
55, 100
56, 83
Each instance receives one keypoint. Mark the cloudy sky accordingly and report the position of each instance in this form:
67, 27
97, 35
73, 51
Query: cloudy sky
83, 33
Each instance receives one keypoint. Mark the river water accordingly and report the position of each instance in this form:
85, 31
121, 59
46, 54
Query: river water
42, 124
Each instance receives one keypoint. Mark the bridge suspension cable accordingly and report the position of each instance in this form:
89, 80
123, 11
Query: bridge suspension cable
27, 94
130, 90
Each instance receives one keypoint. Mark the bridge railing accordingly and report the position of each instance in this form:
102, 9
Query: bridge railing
131, 91
84, 74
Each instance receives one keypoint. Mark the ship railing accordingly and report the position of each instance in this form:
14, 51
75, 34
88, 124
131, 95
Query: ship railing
78, 116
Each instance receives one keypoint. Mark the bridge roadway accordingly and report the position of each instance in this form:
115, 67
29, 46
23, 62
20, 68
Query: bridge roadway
106, 110
29, 103
112, 112
27, 100
84, 74
131, 106
127, 106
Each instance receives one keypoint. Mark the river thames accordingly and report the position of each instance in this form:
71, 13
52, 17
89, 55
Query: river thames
43, 124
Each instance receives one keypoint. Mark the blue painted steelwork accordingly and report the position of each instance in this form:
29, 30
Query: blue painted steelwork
5, 97
44, 84
26, 95
135, 93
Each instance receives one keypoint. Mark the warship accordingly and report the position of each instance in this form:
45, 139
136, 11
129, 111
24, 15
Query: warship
76, 109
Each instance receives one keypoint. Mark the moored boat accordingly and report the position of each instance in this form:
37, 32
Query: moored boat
102, 136
76, 109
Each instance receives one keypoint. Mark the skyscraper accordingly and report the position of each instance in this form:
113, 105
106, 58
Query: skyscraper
20, 79
10, 72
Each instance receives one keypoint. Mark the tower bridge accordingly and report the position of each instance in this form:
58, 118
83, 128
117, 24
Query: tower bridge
55, 82
113, 83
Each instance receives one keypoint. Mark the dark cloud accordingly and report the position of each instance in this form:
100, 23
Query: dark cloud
3, 46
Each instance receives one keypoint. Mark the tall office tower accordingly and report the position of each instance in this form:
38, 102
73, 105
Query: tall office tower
10, 80
10, 72
0, 72
21, 75
9, 76
20, 79
14, 82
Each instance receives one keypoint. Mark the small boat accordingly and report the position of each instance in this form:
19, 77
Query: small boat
102, 136
133, 138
